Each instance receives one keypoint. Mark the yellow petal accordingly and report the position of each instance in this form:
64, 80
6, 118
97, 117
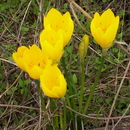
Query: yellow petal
107, 18
51, 36
55, 20
32, 56
53, 82
19, 61
97, 19
110, 34
21, 50
52, 43
31, 60
53, 52
97, 33
68, 27
17, 56
34, 72
45, 61
53, 17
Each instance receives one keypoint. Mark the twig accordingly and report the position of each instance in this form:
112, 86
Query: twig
13, 19
76, 18
2, 59
17, 106
41, 13
97, 118
119, 44
11, 85
79, 8
121, 117
21, 124
118, 91
40, 113
24, 18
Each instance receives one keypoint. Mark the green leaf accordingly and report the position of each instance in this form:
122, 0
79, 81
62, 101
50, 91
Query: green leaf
24, 29
74, 78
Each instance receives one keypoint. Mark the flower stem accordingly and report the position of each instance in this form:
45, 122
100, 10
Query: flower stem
43, 106
82, 85
61, 120
63, 115
92, 89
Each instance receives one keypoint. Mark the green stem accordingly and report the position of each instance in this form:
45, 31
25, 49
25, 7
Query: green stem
71, 87
64, 110
92, 89
61, 120
63, 115
55, 123
53, 106
82, 85
43, 106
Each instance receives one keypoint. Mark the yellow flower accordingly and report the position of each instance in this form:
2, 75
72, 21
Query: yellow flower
52, 43
31, 60
53, 82
104, 28
58, 21
18, 57
83, 46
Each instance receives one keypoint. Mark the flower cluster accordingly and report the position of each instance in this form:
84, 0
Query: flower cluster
42, 64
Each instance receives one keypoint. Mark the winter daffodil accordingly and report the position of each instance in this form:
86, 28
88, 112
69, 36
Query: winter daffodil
104, 28
31, 60
53, 82
58, 21
52, 43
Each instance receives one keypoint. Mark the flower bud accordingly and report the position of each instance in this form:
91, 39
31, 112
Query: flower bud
83, 46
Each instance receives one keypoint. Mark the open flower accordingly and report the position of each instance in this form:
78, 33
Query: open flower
57, 21
53, 82
52, 43
31, 60
104, 28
